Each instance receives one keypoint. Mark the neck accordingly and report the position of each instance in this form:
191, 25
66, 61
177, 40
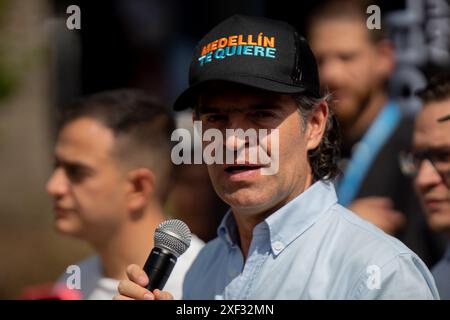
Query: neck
246, 221
131, 244
356, 129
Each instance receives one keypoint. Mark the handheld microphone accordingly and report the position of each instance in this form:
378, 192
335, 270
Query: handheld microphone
172, 238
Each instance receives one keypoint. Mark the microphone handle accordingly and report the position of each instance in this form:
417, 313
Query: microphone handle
158, 267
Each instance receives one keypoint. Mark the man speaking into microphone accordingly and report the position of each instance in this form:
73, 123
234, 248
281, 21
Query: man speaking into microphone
285, 236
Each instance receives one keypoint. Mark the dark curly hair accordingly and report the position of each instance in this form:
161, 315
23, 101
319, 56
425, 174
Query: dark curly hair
438, 89
324, 158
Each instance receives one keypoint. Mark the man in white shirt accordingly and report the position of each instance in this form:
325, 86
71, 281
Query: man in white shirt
112, 174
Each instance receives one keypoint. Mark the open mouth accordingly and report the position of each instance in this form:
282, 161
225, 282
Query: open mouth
241, 168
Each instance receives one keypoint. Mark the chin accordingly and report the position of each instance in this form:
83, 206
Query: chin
67, 227
439, 222
346, 109
247, 200
237, 200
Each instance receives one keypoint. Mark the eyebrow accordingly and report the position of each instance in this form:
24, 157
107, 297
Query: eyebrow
444, 118
67, 163
258, 106
443, 148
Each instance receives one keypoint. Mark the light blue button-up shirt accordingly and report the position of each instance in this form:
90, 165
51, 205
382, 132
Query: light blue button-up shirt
312, 248
441, 273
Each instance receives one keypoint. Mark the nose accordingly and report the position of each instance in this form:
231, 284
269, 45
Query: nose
57, 183
427, 176
237, 131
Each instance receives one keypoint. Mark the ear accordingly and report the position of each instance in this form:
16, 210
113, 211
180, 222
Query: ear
317, 121
141, 188
386, 61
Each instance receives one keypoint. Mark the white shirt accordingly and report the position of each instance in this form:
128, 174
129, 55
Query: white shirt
95, 286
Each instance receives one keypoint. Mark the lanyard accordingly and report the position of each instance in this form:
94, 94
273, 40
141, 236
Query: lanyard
366, 151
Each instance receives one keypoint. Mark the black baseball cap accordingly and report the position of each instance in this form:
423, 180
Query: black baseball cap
257, 52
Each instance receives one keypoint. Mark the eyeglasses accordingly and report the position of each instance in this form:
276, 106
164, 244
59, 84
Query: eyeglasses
410, 162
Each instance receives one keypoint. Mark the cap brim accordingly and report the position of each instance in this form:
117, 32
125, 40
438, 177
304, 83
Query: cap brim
188, 98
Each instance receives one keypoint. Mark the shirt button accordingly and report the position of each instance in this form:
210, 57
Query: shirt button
278, 245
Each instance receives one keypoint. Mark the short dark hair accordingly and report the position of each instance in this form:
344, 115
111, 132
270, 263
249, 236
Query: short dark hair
324, 158
345, 9
438, 89
139, 118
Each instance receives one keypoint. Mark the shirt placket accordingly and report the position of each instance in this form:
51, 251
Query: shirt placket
240, 287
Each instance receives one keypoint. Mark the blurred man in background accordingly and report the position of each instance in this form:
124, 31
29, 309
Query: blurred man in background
355, 64
192, 198
429, 162
112, 175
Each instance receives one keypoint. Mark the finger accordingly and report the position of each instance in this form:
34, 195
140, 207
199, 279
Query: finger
132, 290
162, 295
137, 275
121, 297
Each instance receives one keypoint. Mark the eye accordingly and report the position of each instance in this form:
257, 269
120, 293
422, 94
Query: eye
442, 157
418, 156
347, 56
214, 117
75, 173
262, 114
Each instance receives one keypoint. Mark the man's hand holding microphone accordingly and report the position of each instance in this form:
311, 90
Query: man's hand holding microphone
172, 238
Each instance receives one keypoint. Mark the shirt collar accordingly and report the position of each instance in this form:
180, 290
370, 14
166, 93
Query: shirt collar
290, 221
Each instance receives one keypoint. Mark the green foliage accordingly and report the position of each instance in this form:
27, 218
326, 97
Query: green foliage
8, 78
